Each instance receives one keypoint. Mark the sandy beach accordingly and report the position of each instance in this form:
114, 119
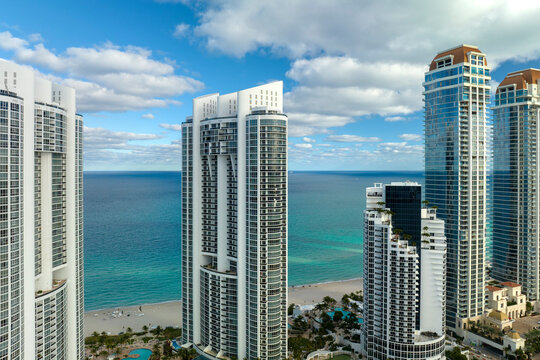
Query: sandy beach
110, 320
166, 314
314, 293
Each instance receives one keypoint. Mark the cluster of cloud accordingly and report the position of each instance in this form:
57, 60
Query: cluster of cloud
383, 156
127, 150
106, 77
352, 58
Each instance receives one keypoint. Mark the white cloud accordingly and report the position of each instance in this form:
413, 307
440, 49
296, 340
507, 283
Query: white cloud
347, 87
411, 31
92, 97
351, 138
100, 137
181, 30
401, 147
342, 71
303, 146
146, 85
107, 77
35, 37
410, 137
396, 156
303, 124
8, 42
309, 140
148, 116
175, 127
104, 149
395, 118
344, 75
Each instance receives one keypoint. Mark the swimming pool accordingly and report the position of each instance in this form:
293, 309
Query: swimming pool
345, 314
144, 354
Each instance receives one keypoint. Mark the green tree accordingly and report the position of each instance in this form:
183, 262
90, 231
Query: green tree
455, 354
290, 309
329, 300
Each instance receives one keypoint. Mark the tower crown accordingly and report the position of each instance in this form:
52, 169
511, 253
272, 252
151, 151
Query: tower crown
456, 55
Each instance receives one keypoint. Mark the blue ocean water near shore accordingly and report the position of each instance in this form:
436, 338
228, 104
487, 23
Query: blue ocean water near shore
132, 232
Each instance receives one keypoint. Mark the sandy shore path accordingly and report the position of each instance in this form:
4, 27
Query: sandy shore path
170, 313
162, 314
313, 294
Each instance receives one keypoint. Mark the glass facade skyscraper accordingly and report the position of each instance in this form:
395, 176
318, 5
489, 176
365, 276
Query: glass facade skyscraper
515, 181
234, 225
456, 95
405, 200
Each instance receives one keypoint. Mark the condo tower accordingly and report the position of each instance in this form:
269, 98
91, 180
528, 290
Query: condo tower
41, 224
234, 225
404, 275
456, 95
515, 181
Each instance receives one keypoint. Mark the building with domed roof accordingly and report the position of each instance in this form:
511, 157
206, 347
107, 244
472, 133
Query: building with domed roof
516, 207
457, 97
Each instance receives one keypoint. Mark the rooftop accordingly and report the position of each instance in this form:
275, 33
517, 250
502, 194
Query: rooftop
459, 53
498, 315
521, 78
510, 284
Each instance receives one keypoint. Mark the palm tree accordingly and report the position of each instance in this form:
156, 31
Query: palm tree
145, 329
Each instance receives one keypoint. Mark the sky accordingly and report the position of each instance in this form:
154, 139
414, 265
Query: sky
352, 69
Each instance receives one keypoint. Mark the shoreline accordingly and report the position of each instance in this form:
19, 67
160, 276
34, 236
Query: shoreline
180, 299
169, 313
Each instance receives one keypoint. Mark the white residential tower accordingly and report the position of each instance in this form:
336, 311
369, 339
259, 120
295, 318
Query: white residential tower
404, 276
234, 225
41, 225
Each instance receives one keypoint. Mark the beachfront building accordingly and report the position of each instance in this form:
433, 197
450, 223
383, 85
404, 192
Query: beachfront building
41, 225
516, 234
234, 225
457, 94
404, 278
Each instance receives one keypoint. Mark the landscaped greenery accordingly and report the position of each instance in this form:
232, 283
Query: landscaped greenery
455, 354
532, 341
487, 332
300, 346
342, 357
102, 345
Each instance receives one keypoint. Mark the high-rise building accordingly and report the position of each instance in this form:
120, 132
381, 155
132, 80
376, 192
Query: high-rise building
234, 224
41, 225
404, 277
457, 95
516, 181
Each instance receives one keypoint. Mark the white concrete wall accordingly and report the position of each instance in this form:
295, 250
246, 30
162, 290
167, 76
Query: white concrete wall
432, 278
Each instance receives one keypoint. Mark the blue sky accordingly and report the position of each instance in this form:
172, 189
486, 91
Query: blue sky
352, 70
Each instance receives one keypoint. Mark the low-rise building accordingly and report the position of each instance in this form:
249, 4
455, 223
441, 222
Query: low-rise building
507, 298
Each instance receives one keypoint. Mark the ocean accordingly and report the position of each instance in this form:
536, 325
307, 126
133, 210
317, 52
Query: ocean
132, 232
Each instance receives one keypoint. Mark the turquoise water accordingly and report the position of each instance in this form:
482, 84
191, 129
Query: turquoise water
345, 314
144, 354
132, 232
